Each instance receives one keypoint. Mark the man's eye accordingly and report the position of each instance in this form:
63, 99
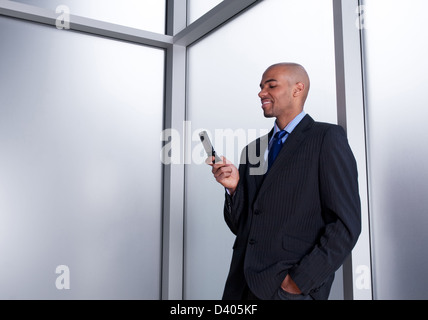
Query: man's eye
271, 87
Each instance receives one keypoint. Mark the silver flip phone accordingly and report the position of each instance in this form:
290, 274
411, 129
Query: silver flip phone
209, 149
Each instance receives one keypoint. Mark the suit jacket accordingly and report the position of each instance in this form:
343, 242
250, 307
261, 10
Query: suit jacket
302, 218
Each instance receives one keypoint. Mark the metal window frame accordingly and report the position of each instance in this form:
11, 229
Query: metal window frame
351, 112
35, 14
178, 37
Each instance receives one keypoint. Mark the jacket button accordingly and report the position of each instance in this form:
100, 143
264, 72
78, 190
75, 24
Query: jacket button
252, 242
257, 212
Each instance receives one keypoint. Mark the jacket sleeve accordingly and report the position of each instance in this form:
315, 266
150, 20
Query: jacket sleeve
234, 205
341, 209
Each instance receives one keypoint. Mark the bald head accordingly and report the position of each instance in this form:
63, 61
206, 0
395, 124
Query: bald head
283, 91
295, 73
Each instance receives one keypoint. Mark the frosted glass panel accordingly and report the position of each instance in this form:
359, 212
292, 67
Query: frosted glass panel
197, 8
80, 118
147, 15
225, 70
397, 99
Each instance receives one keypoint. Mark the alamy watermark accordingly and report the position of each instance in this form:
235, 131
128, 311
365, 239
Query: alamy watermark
62, 282
362, 277
185, 147
361, 21
63, 20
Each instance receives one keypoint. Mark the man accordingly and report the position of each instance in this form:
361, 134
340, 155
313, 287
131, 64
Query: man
297, 221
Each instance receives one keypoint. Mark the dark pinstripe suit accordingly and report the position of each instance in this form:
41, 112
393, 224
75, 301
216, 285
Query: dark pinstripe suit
302, 218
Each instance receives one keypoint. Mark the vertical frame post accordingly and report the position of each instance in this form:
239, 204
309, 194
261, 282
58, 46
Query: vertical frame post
351, 116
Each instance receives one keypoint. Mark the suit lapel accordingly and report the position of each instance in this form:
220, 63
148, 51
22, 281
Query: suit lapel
290, 146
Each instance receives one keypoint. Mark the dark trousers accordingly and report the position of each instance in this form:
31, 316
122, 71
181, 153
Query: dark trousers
248, 295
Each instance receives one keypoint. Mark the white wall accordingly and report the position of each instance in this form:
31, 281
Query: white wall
141, 14
396, 91
77, 116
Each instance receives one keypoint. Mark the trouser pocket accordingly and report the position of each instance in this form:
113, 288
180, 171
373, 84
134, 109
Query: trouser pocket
284, 295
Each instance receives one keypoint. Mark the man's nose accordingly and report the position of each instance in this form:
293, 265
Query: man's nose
262, 93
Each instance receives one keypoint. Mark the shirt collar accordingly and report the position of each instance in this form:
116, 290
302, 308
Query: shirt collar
292, 125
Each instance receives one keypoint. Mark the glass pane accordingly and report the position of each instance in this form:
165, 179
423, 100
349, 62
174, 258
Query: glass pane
80, 118
197, 8
225, 70
147, 15
397, 99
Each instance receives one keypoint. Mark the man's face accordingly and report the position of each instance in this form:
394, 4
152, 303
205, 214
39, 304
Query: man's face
276, 92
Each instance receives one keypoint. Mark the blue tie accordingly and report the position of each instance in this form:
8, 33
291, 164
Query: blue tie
276, 147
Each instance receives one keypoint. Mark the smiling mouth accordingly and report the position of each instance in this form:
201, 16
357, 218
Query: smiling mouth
265, 103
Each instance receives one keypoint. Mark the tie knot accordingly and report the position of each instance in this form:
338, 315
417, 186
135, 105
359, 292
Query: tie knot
275, 147
280, 134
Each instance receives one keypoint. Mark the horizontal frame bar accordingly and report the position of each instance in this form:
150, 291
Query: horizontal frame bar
87, 25
214, 18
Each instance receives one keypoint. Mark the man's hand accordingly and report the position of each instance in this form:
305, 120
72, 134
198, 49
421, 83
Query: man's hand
225, 173
290, 286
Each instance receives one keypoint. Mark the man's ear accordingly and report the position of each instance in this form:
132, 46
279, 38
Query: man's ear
299, 88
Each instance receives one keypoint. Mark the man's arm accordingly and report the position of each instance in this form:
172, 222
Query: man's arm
341, 210
231, 178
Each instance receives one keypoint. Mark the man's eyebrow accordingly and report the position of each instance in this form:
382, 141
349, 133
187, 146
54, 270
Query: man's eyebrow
267, 81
